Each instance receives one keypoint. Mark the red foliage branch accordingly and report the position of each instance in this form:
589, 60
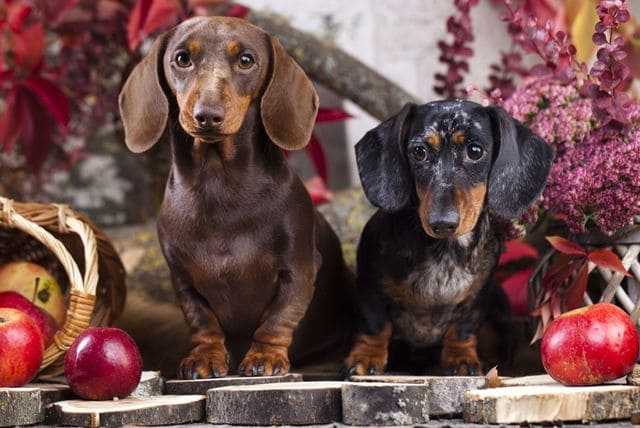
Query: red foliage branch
455, 54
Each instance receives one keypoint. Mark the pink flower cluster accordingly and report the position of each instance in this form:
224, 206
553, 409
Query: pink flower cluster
594, 176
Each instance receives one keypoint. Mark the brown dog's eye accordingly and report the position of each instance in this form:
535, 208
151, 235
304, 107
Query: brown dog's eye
474, 151
245, 61
183, 59
419, 153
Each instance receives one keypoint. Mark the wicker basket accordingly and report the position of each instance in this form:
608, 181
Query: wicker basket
78, 255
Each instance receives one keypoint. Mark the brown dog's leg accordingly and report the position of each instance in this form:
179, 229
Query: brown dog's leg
460, 356
370, 353
208, 357
269, 350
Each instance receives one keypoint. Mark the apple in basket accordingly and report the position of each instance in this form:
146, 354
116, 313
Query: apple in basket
590, 345
21, 348
45, 322
103, 363
36, 284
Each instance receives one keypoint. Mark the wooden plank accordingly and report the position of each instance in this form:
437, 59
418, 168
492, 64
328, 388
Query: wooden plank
151, 383
550, 403
153, 410
295, 403
446, 393
377, 403
20, 406
201, 386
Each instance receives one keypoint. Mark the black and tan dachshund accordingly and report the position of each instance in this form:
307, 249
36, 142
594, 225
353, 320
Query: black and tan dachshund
258, 272
426, 257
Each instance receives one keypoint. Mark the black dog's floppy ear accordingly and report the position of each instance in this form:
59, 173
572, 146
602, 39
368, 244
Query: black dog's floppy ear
521, 168
383, 169
290, 103
144, 107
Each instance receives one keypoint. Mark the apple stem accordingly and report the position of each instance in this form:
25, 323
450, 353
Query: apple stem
35, 290
2, 320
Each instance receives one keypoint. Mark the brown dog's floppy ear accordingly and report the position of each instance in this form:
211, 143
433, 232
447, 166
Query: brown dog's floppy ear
144, 107
521, 168
289, 104
382, 165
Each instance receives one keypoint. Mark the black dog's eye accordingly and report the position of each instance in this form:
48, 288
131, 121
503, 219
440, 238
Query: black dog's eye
419, 153
183, 59
474, 151
245, 61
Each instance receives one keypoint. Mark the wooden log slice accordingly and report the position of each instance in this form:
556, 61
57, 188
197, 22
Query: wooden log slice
379, 403
446, 393
201, 386
20, 406
156, 410
296, 403
550, 403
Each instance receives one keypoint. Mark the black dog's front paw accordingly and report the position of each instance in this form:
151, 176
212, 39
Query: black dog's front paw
463, 368
205, 361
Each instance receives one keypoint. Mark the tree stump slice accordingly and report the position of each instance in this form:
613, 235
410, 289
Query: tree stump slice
296, 403
51, 392
550, 403
151, 383
378, 403
446, 393
157, 410
201, 386
20, 406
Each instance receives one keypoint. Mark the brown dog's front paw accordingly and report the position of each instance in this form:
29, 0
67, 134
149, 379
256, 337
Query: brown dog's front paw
205, 361
265, 360
459, 356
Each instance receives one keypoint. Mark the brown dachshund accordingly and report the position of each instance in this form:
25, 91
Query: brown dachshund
258, 272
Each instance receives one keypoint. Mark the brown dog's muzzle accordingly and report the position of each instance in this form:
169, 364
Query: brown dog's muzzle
208, 116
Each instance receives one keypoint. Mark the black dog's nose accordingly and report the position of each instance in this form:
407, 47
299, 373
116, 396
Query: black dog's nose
444, 225
208, 116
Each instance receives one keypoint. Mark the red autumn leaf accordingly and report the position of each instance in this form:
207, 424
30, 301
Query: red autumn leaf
17, 13
565, 246
561, 270
35, 126
544, 312
56, 8
574, 296
517, 249
608, 260
515, 287
150, 15
318, 190
10, 121
51, 98
237, 11
331, 115
318, 158
28, 46
556, 306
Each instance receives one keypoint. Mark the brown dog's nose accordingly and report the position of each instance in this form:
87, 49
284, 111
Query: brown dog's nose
208, 116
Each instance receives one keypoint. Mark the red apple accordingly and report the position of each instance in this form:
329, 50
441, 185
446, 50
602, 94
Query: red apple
36, 284
103, 363
46, 323
590, 345
21, 347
